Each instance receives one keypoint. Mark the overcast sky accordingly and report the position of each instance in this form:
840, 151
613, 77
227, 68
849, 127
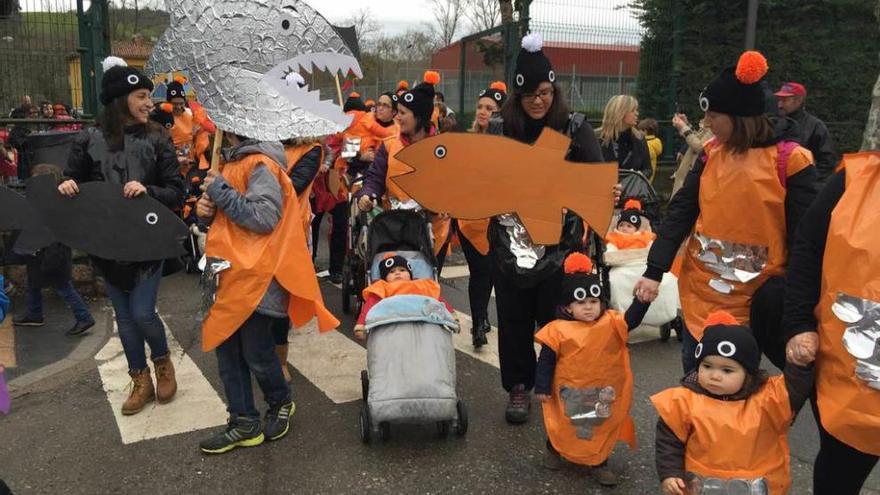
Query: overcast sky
571, 20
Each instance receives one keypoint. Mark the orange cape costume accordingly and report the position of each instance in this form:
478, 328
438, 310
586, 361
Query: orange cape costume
258, 258
636, 240
422, 287
848, 407
589, 355
732, 439
730, 186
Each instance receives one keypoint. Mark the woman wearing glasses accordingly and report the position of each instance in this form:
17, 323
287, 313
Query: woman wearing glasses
527, 277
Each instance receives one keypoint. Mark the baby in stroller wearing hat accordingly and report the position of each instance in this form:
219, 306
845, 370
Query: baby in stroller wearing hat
396, 279
626, 254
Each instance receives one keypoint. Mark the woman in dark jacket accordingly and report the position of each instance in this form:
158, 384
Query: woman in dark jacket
130, 150
527, 276
620, 140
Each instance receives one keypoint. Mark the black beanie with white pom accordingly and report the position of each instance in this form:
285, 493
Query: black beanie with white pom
119, 80
532, 66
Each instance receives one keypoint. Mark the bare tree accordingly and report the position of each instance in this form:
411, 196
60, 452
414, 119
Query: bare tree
447, 14
483, 14
365, 25
506, 7
871, 140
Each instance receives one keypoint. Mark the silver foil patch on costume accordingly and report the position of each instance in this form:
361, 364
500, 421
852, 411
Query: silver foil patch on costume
527, 254
862, 335
351, 146
587, 407
209, 281
705, 485
733, 261
241, 56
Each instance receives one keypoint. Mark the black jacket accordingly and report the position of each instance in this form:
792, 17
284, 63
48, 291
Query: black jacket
630, 152
304, 171
684, 208
149, 157
814, 136
669, 450
584, 148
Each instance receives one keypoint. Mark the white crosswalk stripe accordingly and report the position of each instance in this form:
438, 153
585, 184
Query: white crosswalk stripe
330, 361
195, 406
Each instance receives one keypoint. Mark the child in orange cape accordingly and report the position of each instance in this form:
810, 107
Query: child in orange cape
627, 234
583, 375
396, 280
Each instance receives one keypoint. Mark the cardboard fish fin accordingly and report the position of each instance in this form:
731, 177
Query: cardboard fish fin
542, 230
553, 140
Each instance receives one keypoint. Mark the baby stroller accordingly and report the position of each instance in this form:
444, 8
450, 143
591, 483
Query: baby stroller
624, 268
410, 375
353, 267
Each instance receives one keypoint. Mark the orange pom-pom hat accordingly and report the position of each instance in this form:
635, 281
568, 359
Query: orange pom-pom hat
579, 281
497, 91
354, 94
632, 213
388, 263
431, 77
174, 89
402, 84
737, 91
166, 107
180, 79
726, 337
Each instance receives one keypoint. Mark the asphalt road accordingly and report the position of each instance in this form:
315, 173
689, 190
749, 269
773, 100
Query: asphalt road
62, 435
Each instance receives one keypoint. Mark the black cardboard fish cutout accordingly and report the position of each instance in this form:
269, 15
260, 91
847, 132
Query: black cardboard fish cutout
102, 222
16, 214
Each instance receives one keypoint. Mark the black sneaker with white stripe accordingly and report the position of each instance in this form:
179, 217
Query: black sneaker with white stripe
278, 421
240, 432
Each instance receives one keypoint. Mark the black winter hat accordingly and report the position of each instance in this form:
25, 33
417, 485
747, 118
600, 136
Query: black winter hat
174, 89
738, 90
496, 91
532, 66
394, 99
420, 99
579, 281
354, 102
724, 336
632, 213
119, 80
163, 115
391, 262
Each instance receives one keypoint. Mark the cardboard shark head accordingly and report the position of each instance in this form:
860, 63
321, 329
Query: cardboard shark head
453, 173
241, 56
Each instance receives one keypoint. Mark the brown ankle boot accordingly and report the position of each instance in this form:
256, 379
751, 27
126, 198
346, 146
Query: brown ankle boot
281, 351
142, 392
166, 385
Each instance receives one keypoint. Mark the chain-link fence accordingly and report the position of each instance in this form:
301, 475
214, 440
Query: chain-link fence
38, 52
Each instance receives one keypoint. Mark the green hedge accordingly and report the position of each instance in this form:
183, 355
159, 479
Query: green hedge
829, 46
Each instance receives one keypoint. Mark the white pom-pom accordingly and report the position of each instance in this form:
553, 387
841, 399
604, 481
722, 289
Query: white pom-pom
109, 62
532, 42
295, 78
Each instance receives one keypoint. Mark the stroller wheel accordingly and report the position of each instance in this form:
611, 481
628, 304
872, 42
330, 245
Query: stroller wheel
443, 429
365, 384
461, 424
665, 331
384, 431
346, 288
365, 424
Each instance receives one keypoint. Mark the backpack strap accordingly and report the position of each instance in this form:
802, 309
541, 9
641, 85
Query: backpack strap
783, 152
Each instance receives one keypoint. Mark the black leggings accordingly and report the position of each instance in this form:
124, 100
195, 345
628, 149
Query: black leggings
839, 469
765, 315
339, 231
480, 279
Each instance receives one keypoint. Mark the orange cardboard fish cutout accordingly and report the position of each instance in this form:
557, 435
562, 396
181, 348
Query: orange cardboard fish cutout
473, 176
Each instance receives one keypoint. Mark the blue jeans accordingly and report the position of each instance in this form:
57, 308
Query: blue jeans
251, 349
67, 292
138, 321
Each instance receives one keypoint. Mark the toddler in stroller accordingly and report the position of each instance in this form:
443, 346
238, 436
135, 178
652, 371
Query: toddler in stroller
410, 375
626, 255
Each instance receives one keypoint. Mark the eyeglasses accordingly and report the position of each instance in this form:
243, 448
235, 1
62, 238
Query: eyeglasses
544, 95
380, 104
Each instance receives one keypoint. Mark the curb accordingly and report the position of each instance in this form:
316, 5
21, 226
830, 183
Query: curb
89, 345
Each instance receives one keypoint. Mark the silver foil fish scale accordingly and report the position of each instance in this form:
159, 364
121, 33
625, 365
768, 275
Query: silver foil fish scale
704, 485
862, 335
230, 46
210, 282
587, 407
526, 253
733, 261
